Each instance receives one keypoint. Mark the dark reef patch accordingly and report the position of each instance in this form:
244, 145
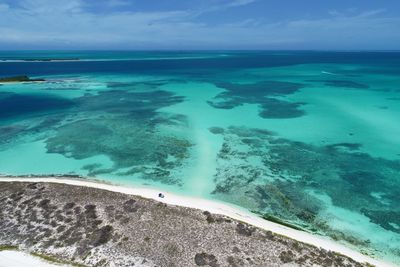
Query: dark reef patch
389, 220
143, 105
16, 105
148, 85
216, 130
265, 94
9, 132
37, 127
134, 145
124, 126
282, 179
364, 181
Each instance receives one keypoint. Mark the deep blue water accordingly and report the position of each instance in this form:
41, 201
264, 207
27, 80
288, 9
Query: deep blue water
232, 60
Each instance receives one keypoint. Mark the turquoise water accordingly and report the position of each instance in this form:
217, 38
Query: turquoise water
310, 138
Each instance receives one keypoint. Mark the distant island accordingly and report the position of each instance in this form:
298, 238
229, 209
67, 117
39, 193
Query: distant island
20, 78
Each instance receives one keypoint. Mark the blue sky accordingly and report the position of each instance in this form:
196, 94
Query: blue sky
200, 24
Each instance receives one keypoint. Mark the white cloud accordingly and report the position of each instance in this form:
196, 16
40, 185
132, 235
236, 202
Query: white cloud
371, 13
47, 23
3, 7
236, 3
220, 5
42, 7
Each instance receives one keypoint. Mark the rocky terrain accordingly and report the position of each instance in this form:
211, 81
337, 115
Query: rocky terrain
92, 227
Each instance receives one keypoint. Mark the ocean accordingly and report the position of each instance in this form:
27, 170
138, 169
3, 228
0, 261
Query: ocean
305, 138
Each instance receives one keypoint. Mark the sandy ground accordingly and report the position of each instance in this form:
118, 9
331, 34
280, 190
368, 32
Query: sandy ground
217, 208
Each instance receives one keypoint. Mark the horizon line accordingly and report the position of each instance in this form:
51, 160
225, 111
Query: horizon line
199, 50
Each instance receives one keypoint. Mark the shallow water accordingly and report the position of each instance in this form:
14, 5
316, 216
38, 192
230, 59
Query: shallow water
309, 138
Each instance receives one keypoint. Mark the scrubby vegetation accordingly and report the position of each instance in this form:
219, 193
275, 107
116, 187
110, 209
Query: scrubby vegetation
92, 227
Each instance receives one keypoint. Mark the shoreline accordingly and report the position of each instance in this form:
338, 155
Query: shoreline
211, 206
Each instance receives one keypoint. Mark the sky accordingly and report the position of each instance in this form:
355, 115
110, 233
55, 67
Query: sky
200, 24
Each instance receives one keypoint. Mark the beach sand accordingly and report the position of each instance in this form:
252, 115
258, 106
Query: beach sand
13, 258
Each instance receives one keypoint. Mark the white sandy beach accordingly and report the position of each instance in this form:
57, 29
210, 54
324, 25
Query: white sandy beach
214, 207
13, 258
